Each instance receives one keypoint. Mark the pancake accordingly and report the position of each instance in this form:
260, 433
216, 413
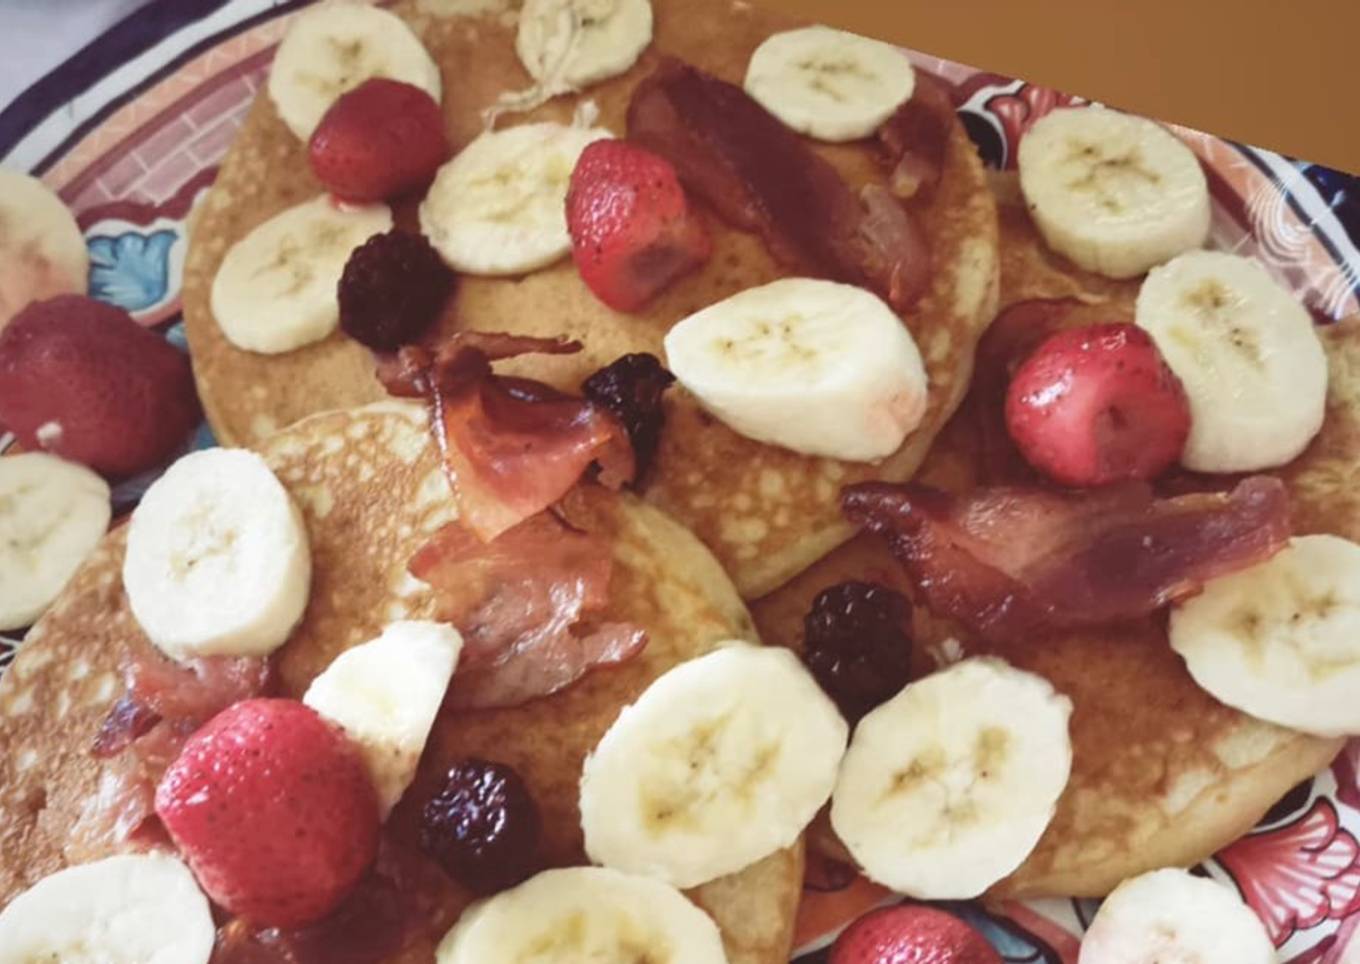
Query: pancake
1162, 773
766, 512
371, 492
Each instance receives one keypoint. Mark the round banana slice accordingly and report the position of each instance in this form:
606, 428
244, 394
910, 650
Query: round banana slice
948, 786
584, 914
815, 366
1281, 640
52, 515
1115, 193
42, 251
1170, 915
722, 761
829, 84
332, 48
217, 559
276, 288
132, 909
570, 44
499, 207
1246, 351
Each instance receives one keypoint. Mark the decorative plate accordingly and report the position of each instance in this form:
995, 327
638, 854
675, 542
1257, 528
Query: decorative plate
130, 132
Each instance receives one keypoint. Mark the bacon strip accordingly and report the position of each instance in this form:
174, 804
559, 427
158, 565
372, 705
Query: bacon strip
912, 142
1007, 562
520, 602
760, 176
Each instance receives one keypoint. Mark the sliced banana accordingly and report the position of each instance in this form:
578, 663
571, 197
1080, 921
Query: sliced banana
52, 515
1171, 916
1248, 356
568, 45
385, 694
499, 207
132, 909
217, 559
1115, 193
818, 367
1281, 640
722, 761
948, 786
42, 251
332, 48
829, 84
276, 288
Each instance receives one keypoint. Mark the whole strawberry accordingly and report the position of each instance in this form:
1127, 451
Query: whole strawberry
273, 810
632, 230
911, 934
382, 139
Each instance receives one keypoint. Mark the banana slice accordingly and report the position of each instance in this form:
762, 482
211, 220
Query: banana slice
276, 288
1171, 915
818, 367
499, 207
1245, 349
42, 251
132, 909
829, 84
52, 514
582, 914
1281, 639
722, 761
385, 694
1115, 193
334, 47
948, 786
568, 45
217, 558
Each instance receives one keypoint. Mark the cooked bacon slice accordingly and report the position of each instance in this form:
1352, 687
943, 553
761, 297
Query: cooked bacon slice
760, 176
511, 447
521, 602
1007, 562
912, 142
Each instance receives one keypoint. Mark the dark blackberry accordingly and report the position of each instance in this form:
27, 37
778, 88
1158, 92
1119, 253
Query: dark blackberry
857, 644
392, 289
483, 827
630, 388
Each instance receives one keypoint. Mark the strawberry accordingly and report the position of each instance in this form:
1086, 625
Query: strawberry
632, 231
82, 380
911, 934
381, 139
273, 810
1096, 405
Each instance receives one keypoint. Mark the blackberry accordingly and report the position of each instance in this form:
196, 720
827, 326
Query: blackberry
483, 827
392, 289
630, 388
857, 644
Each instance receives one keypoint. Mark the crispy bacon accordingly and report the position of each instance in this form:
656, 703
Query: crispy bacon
511, 447
522, 602
912, 142
760, 176
1007, 562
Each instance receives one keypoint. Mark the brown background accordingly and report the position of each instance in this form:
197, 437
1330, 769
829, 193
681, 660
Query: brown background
1283, 75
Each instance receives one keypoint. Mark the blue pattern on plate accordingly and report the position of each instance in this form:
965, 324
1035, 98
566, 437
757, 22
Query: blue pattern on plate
131, 270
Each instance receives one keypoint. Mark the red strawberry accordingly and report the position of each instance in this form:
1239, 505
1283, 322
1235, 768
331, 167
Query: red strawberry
82, 380
381, 139
273, 810
1098, 405
911, 934
632, 231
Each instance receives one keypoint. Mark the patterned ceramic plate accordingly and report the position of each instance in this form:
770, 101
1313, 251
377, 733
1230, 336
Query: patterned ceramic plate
130, 131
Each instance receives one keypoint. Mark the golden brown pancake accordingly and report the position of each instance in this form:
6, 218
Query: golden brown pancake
371, 492
766, 512
1162, 773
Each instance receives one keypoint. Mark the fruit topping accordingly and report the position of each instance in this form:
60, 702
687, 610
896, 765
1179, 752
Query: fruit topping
82, 380
911, 934
483, 827
382, 139
632, 230
273, 810
392, 289
631, 387
857, 644
1097, 405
